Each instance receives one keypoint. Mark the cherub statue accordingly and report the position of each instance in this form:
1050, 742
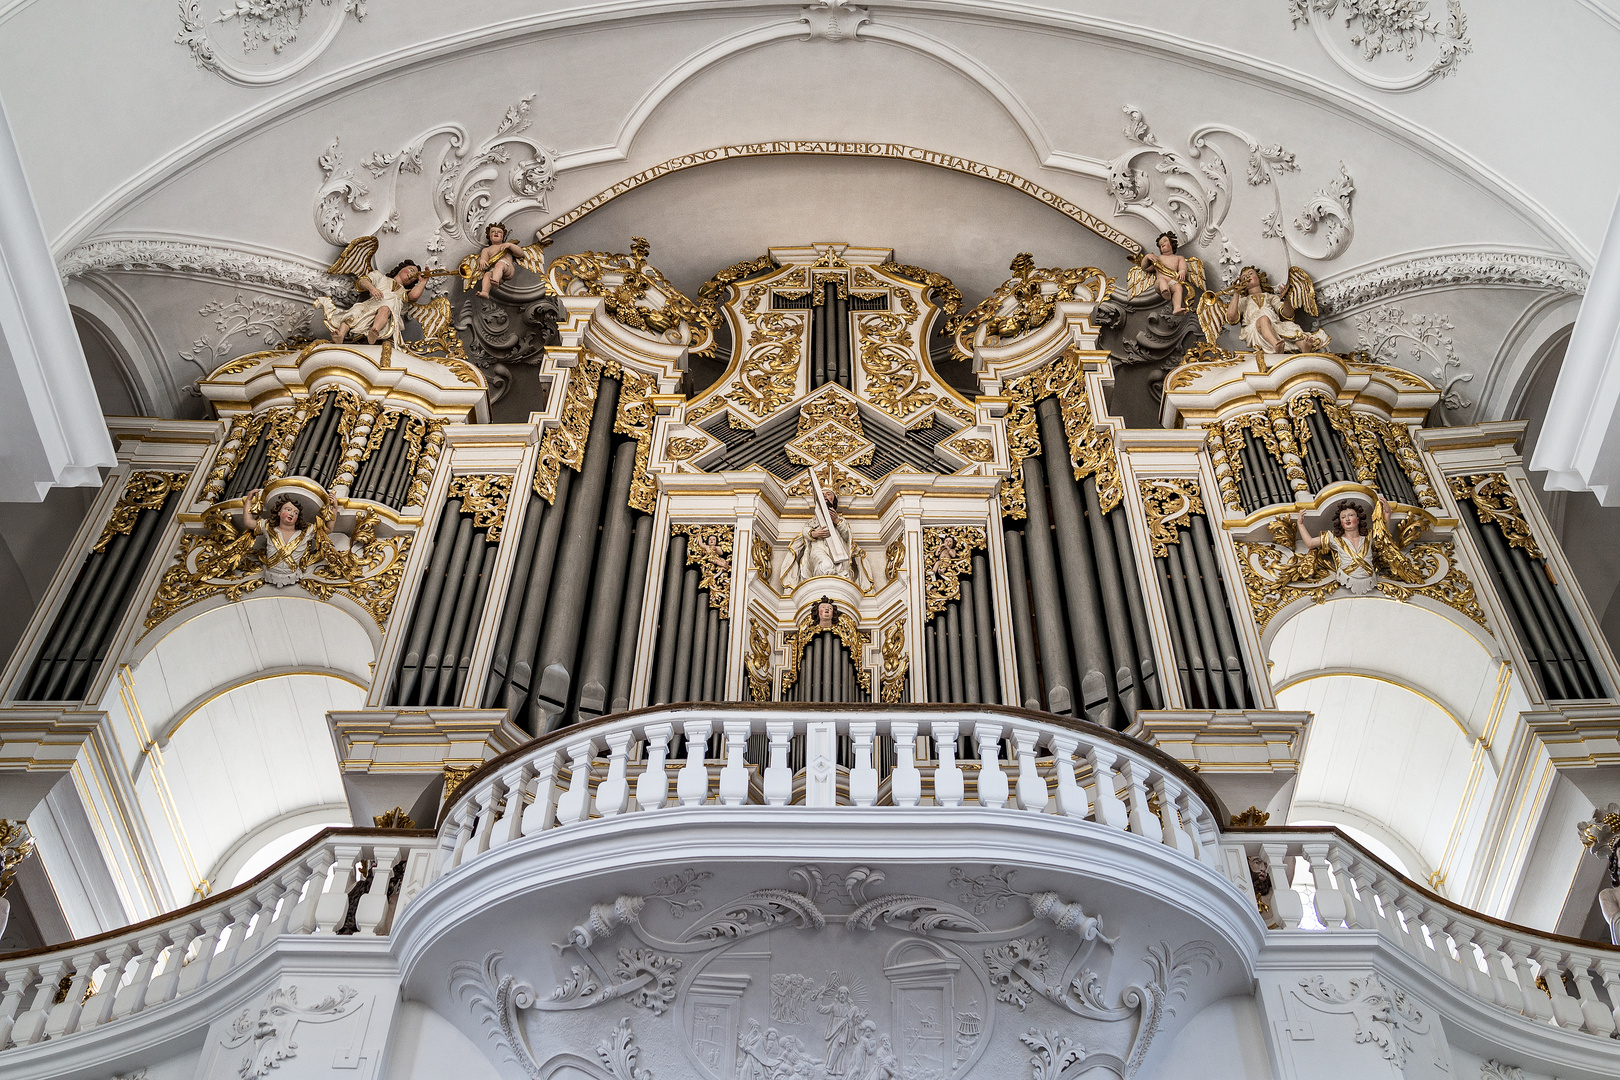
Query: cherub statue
1263, 317
499, 260
1361, 545
390, 299
1172, 273
284, 546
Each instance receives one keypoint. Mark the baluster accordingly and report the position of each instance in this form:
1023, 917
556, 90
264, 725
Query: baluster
489, 801
334, 904
292, 883
1108, 809
132, 998
1434, 920
1286, 904
373, 906
461, 830
734, 774
1473, 979
1566, 1010
820, 758
863, 778
265, 896
1329, 902
1031, 790
1409, 907
1071, 797
98, 1010
242, 911
1594, 1017
1608, 967
539, 816
1139, 818
510, 827
993, 787
18, 980
167, 984
613, 793
1356, 913
692, 782
574, 805
778, 777
64, 1017
213, 925
905, 783
1504, 988
303, 916
652, 786
948, 783
1206, 835
30, 1026
1536, 1003
1172, 832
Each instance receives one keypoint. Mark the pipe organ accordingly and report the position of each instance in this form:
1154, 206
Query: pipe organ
629, 546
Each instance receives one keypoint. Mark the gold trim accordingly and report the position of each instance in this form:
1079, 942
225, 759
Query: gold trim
1168, 503
943, 573
806, 628
713, 563
896, 661
143, 491
1496, 504
1091, 446
486, 498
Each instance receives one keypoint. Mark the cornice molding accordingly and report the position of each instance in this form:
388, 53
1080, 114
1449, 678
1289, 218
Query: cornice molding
158, 254
1343, 293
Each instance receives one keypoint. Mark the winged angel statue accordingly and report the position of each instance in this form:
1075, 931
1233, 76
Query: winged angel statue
387, 301
1264, 318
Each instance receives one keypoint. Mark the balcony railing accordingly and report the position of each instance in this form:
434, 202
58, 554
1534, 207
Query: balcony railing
343, 881
1020, 762
1569, 982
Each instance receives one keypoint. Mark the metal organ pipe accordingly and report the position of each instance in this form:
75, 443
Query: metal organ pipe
500, 662
1147, 671
1029, 676
983, 636
1116, 616
670, 618
624, 657
443, 611
601, 628
683, 637
970, 646
410, 665
1225, 639
1049, 628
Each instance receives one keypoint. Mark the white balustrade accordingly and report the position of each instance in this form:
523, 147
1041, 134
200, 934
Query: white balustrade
56, 994
1542, 977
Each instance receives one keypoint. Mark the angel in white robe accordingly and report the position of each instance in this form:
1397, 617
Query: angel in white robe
811, 552
388, 300
1266, 317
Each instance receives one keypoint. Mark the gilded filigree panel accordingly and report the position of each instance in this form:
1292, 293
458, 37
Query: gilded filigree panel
947, 557
1169, 503
896, 661
1496, 504
709, 549
142, 491
485, 497
855, 640
1091, 446
565, 443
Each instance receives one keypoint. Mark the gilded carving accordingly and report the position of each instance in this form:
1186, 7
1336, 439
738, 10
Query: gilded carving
709, 549
244, 432
425, 441
1225, 469
894, 376
454, 777
830, 406
711, 295
684, 448
896, 661
833, 478
855, 640
758, 661
1202, 357
947, 555
941, 292
1496, 504
635, 418
1169, 503
635, 294
894, 560
761, 554
15, 845
768, 372
1091, 447
143, 491
396, 818
485, 497
830, 443
975, 450
1025, 301
565, 443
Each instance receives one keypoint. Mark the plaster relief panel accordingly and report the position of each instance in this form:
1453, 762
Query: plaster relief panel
304, 1028
1347, 1023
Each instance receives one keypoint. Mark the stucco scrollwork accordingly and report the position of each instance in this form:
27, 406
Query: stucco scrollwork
1384, 1016
272, 322
1378, 28
463, 198
234, 42
1427, 340
1472, 267
165, 255
268, 1036
1195, 191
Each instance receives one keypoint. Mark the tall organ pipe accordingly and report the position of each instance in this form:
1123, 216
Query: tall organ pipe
601, 629
700, 644
432, 585
1029, 676
983, 637
471, 590
535, 595
953, 638
1147, 673
1077, 559
443, 613
680, 690
1115, 614
1050, 630
624, 657
1225, 639
970, 646
501, 661
670, 619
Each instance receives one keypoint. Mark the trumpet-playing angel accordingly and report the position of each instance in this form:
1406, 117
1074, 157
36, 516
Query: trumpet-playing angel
389, 299
1264, 318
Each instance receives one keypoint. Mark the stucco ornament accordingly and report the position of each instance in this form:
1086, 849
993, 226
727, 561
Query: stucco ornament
160, 254
1373, 29
1385, 1017
1400, 277
464, 197
856, 980
1426, 340
262, 41
833, 20
1195, 192
268, 1037
263, 319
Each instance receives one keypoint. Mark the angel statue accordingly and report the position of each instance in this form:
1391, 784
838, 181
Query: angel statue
285, 547
389, 299
499, 260
1264, 318
823, 547
1172, 273
1359, 548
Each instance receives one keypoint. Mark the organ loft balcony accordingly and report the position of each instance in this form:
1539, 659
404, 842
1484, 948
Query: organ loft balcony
819, 677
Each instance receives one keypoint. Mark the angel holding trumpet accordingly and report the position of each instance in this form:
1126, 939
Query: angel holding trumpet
1264, 318
387, 299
